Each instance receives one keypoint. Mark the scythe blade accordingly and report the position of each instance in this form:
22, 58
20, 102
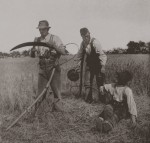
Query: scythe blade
31, 44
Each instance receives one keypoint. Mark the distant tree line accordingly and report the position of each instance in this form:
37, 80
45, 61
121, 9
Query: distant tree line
132, 48
15, 54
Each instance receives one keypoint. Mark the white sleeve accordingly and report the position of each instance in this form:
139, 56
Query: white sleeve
79, 55
58, 45
98, 49
130, 101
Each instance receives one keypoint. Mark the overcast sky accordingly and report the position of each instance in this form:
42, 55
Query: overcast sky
113, 22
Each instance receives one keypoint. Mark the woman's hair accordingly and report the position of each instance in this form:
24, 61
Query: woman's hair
124, 77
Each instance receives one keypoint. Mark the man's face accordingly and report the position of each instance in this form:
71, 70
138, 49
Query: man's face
44, 32
86, 38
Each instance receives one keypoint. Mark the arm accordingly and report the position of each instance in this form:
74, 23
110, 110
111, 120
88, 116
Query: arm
102, 55
106, 92
79, 55
131, 105
58, 45
133, 119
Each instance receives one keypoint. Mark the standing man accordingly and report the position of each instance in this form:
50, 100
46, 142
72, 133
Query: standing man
92, 60
48, 59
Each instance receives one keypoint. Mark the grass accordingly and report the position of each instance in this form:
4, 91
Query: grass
18, 88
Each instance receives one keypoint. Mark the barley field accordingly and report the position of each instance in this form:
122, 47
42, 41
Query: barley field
18, 89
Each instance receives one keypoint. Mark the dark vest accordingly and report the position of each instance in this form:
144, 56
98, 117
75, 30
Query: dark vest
121, 108
93, 61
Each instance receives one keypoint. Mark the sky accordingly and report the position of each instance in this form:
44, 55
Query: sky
113, 22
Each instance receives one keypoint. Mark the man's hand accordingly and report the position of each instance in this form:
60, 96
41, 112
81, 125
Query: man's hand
103, 69
101, 89
77, 68
133, 122
33, 50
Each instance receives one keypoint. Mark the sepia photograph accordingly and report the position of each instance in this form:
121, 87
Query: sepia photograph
75, 71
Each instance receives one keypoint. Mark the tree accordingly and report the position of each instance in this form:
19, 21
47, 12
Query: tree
142, 44
15, 54
148, 47
133, 47
25, 53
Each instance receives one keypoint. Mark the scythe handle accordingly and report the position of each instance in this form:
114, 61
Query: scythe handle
81, 75
43, 92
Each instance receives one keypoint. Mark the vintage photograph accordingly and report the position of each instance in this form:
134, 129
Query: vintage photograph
75, 71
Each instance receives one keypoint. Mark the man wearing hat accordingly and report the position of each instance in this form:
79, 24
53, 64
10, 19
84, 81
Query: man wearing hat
92, 60
47, 59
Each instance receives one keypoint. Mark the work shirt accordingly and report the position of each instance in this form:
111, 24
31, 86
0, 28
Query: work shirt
54, 41
118, 92
98, 50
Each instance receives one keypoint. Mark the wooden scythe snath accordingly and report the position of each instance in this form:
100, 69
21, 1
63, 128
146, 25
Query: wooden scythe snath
81, 76
28, 109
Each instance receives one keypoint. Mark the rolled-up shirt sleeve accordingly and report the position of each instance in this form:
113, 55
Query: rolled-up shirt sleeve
58, 45
98, 49
130, 101
79, 55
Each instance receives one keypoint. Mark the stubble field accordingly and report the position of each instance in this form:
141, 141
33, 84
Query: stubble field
18, 88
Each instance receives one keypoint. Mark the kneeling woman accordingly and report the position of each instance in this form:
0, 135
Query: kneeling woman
119, 101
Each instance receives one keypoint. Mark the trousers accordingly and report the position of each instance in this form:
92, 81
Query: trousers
100, 78
109, 115
114, 115
55, 84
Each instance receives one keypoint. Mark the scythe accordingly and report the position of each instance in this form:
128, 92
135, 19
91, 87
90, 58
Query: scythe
31, 44
81, 75
50, 79
44, 90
